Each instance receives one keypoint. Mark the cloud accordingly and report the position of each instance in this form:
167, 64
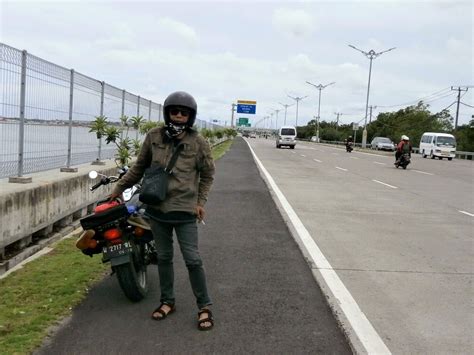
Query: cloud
293, 23
177, 31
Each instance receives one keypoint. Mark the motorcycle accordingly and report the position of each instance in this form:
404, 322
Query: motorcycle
349, 147
119, 230
403, 161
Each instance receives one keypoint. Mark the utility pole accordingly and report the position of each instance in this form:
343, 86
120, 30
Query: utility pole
371, 107
297, 99
459, 89
286, 108
319, 87
371, 55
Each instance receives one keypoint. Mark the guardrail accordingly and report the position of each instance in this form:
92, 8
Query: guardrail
459, 154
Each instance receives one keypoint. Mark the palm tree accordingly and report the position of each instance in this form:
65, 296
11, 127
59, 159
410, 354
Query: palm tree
136, 122
99, 126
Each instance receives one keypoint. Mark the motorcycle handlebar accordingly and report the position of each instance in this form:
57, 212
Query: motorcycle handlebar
107, 180
103, 181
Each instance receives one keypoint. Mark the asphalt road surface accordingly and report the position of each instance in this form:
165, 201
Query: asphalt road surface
400, 241
266, 300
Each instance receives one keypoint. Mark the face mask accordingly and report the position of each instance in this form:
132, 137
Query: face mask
173, 129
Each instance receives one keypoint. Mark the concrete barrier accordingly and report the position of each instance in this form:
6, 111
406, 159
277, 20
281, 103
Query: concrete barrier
52, 200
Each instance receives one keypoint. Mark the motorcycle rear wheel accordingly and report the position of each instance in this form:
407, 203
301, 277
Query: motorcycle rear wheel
132, 281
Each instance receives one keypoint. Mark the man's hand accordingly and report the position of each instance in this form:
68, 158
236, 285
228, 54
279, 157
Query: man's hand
112, 197
200, 213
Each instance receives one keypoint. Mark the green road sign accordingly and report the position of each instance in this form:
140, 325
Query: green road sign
243, 121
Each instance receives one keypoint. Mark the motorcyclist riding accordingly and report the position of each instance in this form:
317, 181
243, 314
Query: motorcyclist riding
404, 147
349, 143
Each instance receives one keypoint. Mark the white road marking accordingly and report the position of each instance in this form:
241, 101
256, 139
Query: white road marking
354, 158
335, 153
363, 329
422, 172
313, 148
380, 182
303, 155
293, 152
376, 162
469, 214
341, 168
319, 161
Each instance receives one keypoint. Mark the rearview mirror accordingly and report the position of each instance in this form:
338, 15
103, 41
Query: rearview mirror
93, 174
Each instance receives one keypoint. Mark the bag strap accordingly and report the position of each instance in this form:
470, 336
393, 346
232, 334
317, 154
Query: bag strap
173, 159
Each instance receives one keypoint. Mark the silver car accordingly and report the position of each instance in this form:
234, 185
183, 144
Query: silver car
382, 143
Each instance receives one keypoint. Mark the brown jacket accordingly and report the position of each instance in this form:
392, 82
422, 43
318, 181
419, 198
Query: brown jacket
192, 176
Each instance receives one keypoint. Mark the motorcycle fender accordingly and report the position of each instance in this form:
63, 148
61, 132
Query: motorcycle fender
122, 259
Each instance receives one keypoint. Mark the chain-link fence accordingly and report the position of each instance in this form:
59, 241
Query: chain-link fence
46, 111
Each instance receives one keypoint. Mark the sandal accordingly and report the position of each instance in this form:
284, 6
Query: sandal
208, 319
162, 312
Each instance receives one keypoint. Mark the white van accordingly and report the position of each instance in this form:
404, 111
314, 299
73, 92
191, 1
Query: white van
441, 145
286, 136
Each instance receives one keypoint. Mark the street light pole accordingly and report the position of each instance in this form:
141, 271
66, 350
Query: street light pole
297, 99
286, 108
371, 55
337, 119
319, 87
276, 118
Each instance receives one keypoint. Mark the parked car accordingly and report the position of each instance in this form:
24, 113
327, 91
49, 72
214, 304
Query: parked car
253, 135
245, 134
314, 139
382, 143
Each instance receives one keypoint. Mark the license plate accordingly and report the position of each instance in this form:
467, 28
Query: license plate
113, 251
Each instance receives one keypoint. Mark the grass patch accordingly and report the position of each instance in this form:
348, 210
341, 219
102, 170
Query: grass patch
219, 150
45, 290
42, 293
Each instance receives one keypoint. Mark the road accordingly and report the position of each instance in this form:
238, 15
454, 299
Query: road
401, 241
266, 300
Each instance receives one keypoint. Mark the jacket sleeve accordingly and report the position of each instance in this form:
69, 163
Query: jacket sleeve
138, 168
206, 169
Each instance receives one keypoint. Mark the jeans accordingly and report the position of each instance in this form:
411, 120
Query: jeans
187, 235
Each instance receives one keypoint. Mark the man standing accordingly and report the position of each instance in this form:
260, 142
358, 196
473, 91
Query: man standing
183, 206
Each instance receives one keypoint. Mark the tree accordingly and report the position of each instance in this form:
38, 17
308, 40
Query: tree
465, 137
136, 122
98, 126
113, 134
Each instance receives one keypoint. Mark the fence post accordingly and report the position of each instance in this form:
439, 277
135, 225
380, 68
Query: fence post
68, 168
21, 144
123, 103
138, 106
98, 161
149, 111
160, 108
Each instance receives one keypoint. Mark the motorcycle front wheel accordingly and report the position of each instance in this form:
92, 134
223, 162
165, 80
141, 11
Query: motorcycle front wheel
132, 278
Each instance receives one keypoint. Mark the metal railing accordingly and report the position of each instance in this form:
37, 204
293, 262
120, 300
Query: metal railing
46, 111
459, 154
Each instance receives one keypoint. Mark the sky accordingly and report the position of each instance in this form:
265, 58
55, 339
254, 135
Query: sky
224, 51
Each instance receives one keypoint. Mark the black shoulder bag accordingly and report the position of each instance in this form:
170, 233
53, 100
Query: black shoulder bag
155, 180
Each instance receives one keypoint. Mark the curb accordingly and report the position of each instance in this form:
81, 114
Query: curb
34, 251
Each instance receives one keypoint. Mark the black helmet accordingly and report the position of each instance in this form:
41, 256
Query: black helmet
183, 99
